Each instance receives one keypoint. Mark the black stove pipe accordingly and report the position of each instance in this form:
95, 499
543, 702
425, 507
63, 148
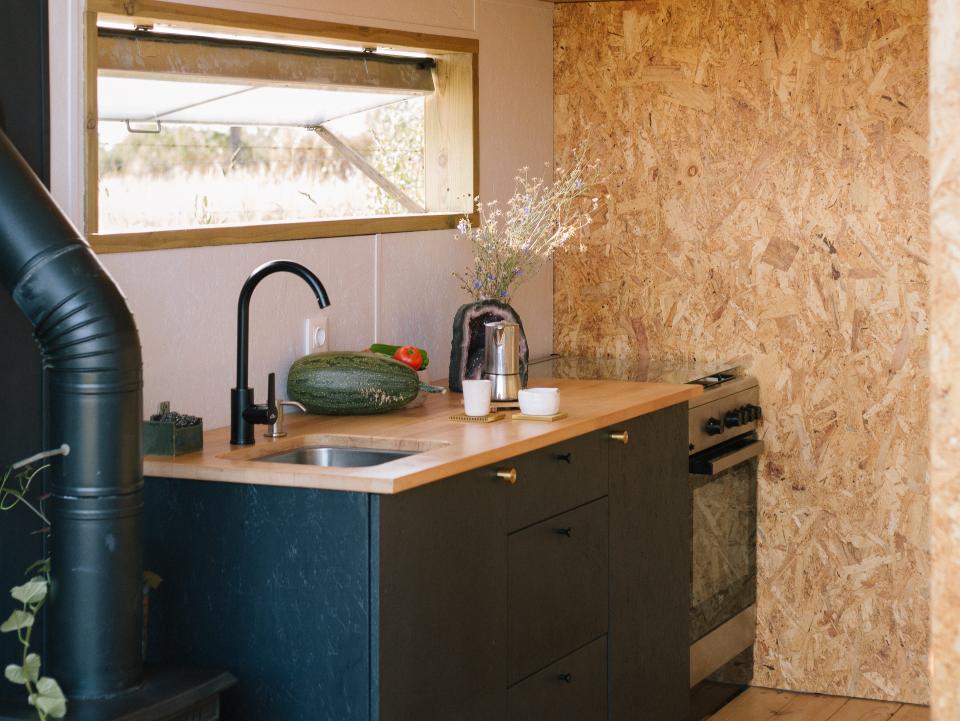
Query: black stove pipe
93, 374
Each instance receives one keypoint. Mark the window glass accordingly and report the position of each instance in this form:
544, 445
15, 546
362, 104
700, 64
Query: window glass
198, 174
302, 137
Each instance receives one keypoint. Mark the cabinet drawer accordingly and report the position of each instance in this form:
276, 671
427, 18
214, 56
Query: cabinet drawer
557, 478
572, 689
557, 587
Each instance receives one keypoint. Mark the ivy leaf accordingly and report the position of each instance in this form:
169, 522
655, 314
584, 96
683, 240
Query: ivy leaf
30, 671
49, 698
33, 591
31, 667
16, 621
15, 674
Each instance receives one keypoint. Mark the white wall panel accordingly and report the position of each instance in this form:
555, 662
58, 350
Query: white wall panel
184, 301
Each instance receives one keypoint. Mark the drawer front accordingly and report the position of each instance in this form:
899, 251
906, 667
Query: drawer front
572, 689
557, 478
557, 587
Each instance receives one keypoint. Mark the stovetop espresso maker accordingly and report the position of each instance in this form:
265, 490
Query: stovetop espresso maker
501, 359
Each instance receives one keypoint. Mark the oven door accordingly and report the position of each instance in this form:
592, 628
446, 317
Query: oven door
723, 509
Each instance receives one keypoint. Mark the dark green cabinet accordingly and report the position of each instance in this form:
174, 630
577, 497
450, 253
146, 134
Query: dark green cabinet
561, 596
438, 603
649, 657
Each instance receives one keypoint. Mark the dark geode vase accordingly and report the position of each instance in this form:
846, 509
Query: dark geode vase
466, 348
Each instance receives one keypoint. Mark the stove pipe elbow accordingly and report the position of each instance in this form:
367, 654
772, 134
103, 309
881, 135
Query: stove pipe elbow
93, 373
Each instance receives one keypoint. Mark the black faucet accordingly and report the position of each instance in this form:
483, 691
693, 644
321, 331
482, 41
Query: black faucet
244, 413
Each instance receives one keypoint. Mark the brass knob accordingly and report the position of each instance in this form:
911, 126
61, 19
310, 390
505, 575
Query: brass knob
507, 474
621, 436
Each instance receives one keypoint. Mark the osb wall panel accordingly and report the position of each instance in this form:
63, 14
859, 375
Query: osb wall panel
945, 356
768, 179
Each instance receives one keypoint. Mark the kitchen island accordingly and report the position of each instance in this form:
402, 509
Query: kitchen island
513, 570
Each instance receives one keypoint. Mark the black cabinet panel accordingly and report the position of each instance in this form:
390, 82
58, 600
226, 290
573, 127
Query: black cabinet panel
650, 569
558, 572
555, 479
440, 601
572, 689
268, 583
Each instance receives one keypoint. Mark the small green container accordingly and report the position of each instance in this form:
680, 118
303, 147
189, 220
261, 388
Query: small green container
165, 439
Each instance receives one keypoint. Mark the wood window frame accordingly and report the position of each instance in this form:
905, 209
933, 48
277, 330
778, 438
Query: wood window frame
452, 152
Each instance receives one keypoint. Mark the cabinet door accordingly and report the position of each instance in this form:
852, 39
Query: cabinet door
572, 689
649, 657
439, 598
557, 478
557, 587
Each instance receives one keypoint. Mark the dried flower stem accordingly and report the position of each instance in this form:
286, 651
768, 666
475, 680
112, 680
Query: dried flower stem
540, 218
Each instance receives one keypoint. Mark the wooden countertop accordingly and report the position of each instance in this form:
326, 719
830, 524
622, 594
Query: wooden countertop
447, 447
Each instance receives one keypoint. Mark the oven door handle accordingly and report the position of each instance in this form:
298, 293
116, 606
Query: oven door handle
717, 464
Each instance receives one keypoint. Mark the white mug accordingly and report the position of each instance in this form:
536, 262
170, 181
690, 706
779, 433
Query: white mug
539, 401
476, 397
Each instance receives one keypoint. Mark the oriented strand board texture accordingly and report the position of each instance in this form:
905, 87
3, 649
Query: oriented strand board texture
768, 175
945, 356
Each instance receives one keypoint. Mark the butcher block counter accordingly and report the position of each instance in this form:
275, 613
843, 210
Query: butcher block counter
443, 447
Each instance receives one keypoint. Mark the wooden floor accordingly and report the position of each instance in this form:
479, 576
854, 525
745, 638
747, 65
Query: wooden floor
762, 704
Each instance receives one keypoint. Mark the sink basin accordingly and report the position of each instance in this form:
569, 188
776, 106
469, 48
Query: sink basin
336, 456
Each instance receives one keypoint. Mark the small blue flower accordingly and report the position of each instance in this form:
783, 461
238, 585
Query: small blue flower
518, 271
578, 184
491, 276
477, 284
503, 294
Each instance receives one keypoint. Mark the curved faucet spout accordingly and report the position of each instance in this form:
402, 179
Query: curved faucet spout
243, 305
241, 401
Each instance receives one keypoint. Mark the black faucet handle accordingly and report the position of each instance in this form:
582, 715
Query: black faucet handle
265, 413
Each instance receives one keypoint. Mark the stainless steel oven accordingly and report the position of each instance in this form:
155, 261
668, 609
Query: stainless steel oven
724, 446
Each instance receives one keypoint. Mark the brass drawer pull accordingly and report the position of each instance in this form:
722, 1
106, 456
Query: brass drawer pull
566, 677
507, 474
621, 436
565, 457
564, 531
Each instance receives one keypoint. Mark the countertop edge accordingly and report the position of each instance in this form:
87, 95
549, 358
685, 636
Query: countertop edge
573, 430
168, 467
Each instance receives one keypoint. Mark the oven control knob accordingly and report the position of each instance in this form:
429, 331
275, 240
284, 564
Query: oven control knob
734, 418
755, 413
713, 427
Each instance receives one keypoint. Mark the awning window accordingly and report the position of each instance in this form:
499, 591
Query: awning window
149, 78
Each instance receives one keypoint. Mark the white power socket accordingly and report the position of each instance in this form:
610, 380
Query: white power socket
316, 334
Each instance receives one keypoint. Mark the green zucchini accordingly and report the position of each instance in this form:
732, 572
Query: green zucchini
387, 349
349, 383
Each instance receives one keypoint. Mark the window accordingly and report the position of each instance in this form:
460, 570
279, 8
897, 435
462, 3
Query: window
215, 127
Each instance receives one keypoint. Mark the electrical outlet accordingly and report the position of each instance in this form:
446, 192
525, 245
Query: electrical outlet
316, 334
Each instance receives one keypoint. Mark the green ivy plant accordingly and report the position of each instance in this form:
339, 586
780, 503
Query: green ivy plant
43, 692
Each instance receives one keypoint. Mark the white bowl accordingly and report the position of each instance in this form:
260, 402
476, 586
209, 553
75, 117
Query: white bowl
539, 401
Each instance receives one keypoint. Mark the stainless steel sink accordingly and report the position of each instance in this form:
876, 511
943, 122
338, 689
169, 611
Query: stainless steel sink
336, 456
